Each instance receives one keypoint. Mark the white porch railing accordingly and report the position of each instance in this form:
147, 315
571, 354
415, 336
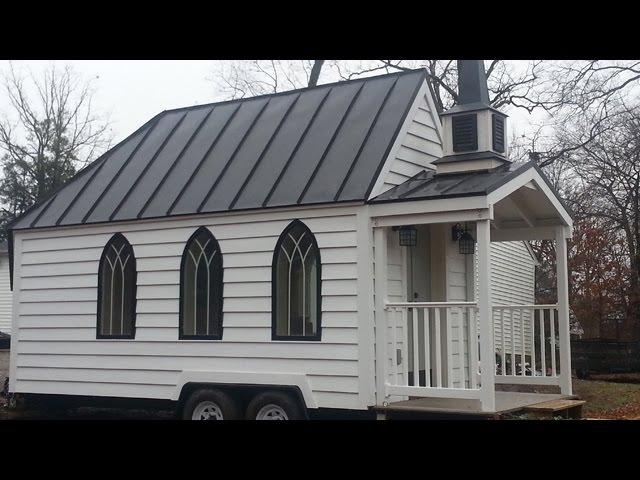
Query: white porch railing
432, 349
526, 343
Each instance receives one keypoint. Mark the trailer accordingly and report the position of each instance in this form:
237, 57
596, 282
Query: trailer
335, 247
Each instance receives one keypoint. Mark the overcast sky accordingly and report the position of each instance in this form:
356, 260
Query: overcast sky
133, 91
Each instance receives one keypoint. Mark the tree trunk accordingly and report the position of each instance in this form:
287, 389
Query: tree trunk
315, 72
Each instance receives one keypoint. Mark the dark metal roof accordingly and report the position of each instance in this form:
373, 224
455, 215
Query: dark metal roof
426, 185
314, 145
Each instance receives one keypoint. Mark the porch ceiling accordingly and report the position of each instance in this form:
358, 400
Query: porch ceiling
525, 207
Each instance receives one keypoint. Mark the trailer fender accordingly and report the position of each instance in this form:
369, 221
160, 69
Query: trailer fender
247, 378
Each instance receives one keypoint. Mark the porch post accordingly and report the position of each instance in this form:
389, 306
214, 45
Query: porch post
564, 342
380, 280
487, 351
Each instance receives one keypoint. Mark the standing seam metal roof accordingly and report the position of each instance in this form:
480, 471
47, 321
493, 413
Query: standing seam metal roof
426, 185
316, 145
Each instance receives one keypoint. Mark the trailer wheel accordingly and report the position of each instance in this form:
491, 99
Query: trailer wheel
210, 404
274, 405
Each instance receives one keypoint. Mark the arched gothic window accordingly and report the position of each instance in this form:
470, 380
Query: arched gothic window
201, 288
295, 297
117, 290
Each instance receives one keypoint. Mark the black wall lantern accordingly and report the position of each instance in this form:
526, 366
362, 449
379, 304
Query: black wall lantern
408, 236
466, 242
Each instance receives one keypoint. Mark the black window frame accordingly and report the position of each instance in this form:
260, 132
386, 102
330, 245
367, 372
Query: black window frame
274, 284
134, 299
219, 280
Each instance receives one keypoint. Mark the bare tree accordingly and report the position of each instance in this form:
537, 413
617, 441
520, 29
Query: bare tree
569, 92
248, 78
49, 131
581, 97
605, 182
508, 85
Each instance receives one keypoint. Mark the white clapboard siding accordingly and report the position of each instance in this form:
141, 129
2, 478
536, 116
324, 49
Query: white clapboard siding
230, 334
5, 295
417, 146
330, 367
57, 349
512, 283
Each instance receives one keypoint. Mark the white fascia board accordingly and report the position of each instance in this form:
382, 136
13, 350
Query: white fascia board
530, 175
407, 207
435, 217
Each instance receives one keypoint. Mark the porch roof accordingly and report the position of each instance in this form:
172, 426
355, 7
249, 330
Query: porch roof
426, 185
516, 195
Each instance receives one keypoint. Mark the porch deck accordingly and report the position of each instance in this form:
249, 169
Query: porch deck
506, 402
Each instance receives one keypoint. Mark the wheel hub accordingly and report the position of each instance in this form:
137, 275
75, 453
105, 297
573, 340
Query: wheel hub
272, 412
207, 411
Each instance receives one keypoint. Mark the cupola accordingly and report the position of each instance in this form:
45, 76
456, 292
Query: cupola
475, 133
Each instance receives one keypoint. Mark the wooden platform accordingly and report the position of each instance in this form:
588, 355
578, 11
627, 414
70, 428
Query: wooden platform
506, 402
565, 407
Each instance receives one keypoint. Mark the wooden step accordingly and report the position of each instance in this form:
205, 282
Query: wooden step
569, 408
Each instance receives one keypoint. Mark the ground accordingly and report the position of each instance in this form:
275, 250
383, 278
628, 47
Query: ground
609, 399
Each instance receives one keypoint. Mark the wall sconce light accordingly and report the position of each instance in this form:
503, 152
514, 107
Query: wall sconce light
466, 242
407, 235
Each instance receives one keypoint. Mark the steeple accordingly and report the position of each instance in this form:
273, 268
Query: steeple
472, 83
474, 131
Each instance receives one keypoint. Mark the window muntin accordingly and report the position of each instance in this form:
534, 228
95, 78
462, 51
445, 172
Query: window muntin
201, 288
117, 290
296, 285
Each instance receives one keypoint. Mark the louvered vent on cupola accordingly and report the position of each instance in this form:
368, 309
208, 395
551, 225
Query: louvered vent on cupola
497, 124
465, 133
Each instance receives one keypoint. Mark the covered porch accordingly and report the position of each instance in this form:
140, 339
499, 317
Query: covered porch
443, 344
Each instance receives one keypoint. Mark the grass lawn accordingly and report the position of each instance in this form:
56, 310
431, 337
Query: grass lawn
608, 399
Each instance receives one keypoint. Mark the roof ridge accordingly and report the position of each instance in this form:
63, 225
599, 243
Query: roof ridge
296, 90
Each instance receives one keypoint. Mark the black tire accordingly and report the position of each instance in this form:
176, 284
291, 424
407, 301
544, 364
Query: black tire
225, 405
278, 400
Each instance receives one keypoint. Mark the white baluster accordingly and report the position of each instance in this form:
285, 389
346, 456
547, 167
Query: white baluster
405, 345
427, 349
437, 342
533, 342
552, 320
504, 344
522, 340
449, 331
461, 350
513, 343
416, 351
543, 341
473, 349
394, 343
